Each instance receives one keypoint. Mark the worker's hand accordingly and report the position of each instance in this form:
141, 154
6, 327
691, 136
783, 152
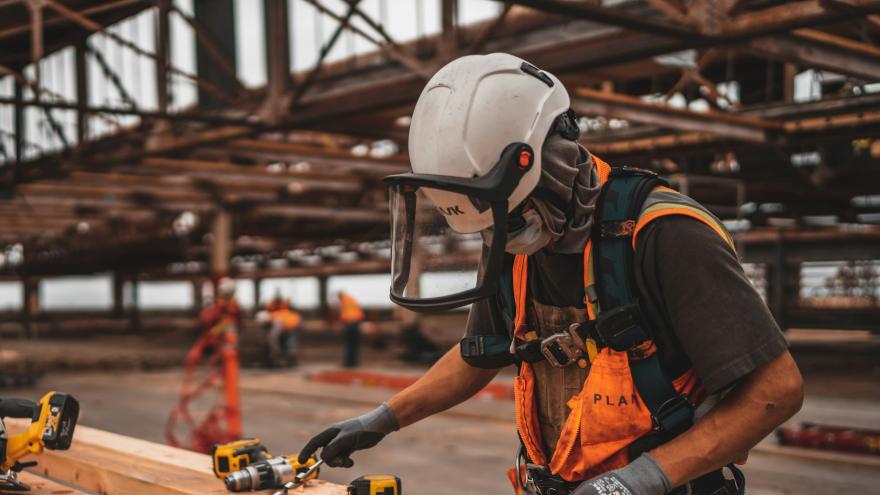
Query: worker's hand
643, 476
341, 439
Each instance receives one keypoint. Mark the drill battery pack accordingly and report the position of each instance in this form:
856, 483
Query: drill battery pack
375, 484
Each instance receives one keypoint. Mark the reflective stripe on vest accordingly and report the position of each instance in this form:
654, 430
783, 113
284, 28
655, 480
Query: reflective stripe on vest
607, 415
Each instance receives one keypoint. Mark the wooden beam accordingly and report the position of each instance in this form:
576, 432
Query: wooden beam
104, 462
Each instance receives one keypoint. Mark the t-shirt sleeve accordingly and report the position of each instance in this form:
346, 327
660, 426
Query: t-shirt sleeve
720, 320
486, 318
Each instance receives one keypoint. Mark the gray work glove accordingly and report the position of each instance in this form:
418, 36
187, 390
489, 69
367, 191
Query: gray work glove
642, 476
341, 439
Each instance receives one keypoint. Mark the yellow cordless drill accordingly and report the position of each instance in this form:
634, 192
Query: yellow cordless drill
237, 455
53, 420
246, 465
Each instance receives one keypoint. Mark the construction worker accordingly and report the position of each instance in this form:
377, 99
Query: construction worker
283, 326
351, 315
647, 363
223, 311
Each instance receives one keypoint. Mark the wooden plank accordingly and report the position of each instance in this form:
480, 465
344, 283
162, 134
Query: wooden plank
113, 464
43, 486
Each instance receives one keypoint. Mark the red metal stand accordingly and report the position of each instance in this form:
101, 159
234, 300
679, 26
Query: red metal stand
222, 422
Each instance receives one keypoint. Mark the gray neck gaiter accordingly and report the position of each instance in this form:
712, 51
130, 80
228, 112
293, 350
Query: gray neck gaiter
567, 170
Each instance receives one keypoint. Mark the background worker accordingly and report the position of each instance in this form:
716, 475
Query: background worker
588, 426
223, 311
351, 315
283, 327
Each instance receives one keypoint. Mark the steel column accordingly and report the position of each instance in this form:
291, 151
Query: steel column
216, 16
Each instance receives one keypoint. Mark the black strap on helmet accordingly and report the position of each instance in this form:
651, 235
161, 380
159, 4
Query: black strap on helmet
567, 126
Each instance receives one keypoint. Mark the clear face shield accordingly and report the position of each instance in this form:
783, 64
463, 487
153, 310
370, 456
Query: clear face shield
448, 234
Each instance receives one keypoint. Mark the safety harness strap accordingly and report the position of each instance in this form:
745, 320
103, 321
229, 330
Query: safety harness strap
620, 324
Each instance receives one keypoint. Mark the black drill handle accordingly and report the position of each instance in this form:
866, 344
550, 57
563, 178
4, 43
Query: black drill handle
18, 408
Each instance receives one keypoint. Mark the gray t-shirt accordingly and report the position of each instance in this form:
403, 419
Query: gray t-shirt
705, 312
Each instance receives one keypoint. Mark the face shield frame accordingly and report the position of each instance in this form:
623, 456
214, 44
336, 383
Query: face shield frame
494, 189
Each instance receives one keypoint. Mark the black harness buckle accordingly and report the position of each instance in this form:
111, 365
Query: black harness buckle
619, 328
674, 416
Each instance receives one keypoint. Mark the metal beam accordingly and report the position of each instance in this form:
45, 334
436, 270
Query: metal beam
610, 16
163, 43
181, 116
326, 214
447, 48
82, 92
795, 15
277, 56
217, 48
310, 77
591, 102
816, 49
389, 47
216, 16
19, 123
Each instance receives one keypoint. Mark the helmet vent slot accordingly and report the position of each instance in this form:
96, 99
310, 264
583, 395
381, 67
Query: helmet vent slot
535, 72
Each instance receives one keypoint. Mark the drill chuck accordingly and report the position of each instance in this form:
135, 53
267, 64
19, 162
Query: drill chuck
261, 475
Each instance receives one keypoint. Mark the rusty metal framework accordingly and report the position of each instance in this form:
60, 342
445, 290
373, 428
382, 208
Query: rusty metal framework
695, 88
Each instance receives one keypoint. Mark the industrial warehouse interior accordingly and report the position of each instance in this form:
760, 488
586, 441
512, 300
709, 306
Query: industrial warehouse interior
655, 266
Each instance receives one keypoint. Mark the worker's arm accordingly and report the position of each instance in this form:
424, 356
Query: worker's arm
764, 400
449, 382
761, 402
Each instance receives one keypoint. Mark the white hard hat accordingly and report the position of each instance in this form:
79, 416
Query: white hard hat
226, 287
468, 113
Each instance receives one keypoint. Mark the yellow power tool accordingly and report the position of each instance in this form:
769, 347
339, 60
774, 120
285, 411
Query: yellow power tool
53, 420
246, 465
375, 484
234, 456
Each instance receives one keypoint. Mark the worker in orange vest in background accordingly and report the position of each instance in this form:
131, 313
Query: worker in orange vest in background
224, 311
351, 315
283, 325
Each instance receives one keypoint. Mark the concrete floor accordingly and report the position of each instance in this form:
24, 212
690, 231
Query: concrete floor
470, 446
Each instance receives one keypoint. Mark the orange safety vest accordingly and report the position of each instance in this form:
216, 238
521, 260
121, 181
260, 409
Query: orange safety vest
608, 414
289, 319
349, 310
